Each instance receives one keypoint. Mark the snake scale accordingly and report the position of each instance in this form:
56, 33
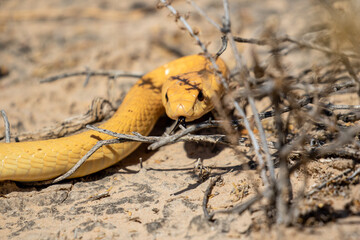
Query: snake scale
183, 88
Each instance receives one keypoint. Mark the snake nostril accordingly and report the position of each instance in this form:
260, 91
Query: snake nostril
166, 97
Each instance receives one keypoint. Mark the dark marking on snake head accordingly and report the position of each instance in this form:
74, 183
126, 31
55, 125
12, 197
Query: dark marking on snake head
148, 82
186, 81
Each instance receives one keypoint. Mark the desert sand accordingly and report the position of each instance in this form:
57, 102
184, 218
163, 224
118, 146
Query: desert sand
164, 198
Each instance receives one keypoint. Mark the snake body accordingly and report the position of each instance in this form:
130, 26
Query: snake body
184, 86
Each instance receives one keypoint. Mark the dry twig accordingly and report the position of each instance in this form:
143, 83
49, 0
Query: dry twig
99, 109
327, 182
300, 44
207, 193
7, 126
88, 73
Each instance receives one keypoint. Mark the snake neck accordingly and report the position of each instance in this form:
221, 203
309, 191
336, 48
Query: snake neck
138, 112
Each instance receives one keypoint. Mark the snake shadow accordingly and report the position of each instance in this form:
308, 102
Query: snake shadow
193, 150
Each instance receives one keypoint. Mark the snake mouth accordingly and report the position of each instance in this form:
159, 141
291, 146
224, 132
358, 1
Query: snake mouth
179, 121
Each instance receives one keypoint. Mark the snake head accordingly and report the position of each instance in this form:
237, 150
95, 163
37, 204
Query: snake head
190, 95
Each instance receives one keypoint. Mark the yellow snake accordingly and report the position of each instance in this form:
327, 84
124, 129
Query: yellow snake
184, 88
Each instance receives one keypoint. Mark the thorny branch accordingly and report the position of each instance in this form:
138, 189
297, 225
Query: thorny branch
325, 183
98, 145
300, 44
99, 110
7, 126
244, 78
89, 73
207, 193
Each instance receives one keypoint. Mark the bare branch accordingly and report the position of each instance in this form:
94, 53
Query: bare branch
244, 76
202, 13
84, 158
7, 126
207, 192
357, 172
88, 74
242, 207
99, 110
182, 19
300, 44
327, 182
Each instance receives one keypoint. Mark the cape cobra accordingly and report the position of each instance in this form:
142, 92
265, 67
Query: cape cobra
184, 88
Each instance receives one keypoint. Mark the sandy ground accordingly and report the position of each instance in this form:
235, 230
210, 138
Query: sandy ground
163, 200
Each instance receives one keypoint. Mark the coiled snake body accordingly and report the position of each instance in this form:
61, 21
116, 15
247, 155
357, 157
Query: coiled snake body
185, 86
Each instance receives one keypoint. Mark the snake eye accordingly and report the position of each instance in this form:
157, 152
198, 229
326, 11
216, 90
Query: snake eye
200, 96
166, 97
